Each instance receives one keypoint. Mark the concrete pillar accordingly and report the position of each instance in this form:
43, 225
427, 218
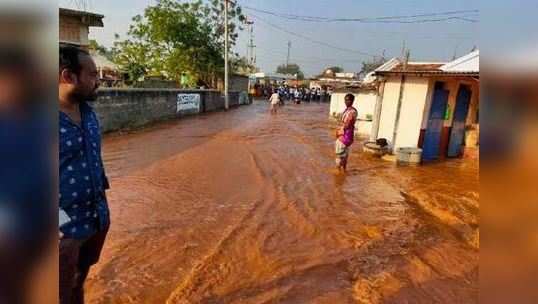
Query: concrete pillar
377, 111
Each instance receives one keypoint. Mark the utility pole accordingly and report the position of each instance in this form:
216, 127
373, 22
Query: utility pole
288, 58
400, 100
226, 76
250, 45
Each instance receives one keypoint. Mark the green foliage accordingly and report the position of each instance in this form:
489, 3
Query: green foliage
174, 38
241, 66
290, 69
101, 50
369, 66
335, 69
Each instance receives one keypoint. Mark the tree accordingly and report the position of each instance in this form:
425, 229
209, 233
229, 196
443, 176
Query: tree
101, 50
290, 69
369, 66
241, 65
331, 71
335, 69
174, 38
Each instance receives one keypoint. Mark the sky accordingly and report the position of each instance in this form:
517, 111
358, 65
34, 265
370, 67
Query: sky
436, 42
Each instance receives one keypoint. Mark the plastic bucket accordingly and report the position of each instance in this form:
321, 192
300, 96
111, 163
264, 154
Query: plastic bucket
409, 155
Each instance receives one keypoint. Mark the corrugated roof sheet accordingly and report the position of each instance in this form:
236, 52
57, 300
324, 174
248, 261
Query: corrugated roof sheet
464, 66
417, 67
467, 63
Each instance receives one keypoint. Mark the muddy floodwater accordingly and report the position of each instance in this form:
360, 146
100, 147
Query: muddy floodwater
242, 207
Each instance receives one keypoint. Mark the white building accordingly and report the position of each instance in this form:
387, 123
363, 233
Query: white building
366, 95
365, 101
429, 105
75, 26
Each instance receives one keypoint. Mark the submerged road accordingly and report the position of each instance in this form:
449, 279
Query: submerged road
242, 207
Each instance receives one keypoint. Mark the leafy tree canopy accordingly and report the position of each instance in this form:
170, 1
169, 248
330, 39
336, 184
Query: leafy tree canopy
335, 69
174, 38
369, 66
290, 69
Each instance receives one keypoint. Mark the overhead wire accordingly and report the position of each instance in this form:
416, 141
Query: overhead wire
313, 40
464, 15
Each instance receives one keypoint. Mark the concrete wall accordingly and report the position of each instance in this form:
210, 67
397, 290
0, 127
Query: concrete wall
388, 108
415, 93
365, 105
239, 83
414, 100
120, 109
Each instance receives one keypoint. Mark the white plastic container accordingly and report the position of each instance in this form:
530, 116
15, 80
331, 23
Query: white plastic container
411, 156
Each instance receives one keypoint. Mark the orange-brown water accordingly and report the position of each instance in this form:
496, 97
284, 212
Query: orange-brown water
242, 207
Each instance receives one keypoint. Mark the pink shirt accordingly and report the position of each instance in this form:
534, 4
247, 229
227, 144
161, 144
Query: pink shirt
348, 119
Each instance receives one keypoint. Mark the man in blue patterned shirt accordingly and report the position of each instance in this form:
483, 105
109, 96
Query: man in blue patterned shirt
83, 214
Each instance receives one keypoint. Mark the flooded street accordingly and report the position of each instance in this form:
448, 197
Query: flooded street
242, 207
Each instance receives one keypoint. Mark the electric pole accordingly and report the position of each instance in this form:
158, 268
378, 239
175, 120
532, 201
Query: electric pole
250, 45
226, 76
288, 58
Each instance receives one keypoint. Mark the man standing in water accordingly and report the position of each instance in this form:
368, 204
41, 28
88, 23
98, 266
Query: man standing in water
83, 214
274, 100
345, 134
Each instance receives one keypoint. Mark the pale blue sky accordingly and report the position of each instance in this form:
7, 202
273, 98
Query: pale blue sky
427, 41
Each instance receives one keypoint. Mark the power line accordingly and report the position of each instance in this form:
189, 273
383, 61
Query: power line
463, 18
312, 40
317, 65
450, 15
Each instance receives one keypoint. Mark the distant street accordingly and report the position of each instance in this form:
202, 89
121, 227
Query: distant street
242, 207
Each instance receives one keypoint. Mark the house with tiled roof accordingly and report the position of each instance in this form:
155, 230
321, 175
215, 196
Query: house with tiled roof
75, 26
428, 105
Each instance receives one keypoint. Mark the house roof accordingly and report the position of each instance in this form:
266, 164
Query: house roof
387, 66
416, 67
90, 19
464, 66
467, 63
355, 88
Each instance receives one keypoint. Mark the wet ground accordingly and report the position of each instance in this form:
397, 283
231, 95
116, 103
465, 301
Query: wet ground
242, 207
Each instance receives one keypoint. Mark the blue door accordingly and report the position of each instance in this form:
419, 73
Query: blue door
458, 125
432, 137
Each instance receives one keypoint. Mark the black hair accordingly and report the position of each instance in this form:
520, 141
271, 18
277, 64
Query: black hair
350, 96
70, 58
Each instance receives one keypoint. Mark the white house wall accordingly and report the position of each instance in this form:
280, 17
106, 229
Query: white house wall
388, 108
414, 100
365, 105
337, 104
